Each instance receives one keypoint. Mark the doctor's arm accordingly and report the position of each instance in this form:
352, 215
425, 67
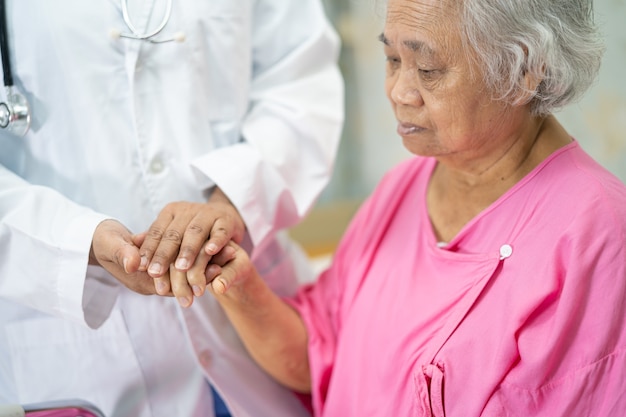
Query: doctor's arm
290, 133
290, 136
45, 242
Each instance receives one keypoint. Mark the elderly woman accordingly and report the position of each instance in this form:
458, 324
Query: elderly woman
486, 276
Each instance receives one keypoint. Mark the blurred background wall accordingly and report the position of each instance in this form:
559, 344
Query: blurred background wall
370, 145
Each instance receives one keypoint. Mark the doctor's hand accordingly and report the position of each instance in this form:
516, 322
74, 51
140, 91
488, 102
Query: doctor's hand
112, 248
181, 233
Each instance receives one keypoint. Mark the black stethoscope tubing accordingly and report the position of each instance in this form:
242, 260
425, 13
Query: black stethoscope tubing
15, 112
4, 47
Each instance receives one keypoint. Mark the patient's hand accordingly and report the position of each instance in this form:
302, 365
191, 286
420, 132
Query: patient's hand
203, 272
218, 271
228, 268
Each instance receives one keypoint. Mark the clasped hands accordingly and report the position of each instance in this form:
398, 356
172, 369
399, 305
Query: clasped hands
173, 257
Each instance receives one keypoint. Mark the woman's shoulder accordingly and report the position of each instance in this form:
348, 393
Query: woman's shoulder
587, 178
581, 189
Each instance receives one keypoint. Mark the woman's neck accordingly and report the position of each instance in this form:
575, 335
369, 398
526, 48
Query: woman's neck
459, 191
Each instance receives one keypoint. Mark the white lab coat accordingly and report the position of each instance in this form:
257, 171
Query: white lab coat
251, 101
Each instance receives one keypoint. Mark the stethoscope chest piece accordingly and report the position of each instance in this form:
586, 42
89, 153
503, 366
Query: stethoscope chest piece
15, 113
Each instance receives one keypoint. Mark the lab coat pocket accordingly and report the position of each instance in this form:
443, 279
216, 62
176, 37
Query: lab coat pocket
56, 359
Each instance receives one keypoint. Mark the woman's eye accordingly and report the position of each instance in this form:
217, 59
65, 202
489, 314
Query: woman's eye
393, 61
428, 74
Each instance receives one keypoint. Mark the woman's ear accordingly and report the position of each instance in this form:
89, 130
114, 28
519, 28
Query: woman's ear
530, 80
528, 88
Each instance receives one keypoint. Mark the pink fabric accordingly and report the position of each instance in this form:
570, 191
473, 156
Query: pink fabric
401, 327
61, 412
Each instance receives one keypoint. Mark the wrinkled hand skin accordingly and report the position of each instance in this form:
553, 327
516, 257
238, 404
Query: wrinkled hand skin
112, 248
178, 246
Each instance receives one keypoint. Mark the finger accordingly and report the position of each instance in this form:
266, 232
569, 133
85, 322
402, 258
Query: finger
128, 258
125, 257
162, 284
221, 283
225, 278
221, 234
152, 238
180, 287
211, 272
168, 247
114, 250
196, 274
196, 234
228, 213
138, 239
225, 255
234, 264
112, 245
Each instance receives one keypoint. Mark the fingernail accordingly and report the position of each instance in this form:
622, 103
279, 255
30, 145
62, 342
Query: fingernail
143, 264
221, 286
211, 248
184, 301
197, 291
181, 263
155, 269
160, 287
125, 262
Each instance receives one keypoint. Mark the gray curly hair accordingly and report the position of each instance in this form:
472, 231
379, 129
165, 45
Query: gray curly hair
556, 42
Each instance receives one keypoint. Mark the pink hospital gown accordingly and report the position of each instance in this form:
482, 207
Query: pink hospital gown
521, 314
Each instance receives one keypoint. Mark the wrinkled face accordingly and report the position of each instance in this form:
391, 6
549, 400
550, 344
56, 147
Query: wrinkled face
437, 94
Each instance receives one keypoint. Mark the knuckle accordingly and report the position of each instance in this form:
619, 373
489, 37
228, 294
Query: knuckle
172, 235
221, 230
155, 232
171, 207
196, 229
162, 254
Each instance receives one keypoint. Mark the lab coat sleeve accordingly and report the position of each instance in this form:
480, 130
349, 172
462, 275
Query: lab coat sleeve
45, 241
291, 131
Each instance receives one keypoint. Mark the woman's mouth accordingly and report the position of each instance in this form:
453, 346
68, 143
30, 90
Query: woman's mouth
406, 129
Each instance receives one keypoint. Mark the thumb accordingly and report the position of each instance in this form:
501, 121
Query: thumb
222, 282
112, 242
228, 275
128, 258
138, 238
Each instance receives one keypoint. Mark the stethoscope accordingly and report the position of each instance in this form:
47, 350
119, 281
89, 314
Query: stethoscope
15, 112
147, 36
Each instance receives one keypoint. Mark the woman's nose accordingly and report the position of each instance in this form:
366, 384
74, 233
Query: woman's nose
405, 89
